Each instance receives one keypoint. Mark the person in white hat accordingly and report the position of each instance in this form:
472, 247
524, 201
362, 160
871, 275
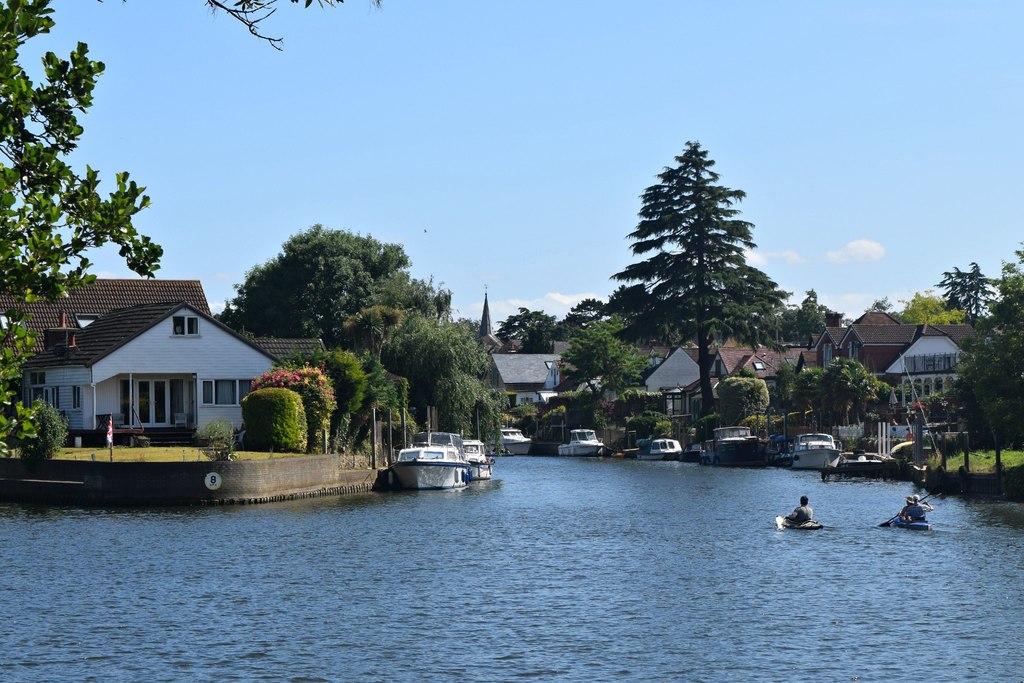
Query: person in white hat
915, 509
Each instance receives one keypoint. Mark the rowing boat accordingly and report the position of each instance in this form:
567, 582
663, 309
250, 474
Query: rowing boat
808, 525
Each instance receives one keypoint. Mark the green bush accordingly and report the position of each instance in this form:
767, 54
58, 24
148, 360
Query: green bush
1013, 482
650, 425
217, 439
51, 434
274, 421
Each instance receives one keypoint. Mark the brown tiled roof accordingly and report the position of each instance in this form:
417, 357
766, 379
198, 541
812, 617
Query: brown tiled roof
958, 333
106, 295
876, 318
284, 348
885, 334
103, 336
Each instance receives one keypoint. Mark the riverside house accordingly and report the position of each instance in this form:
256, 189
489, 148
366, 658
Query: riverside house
146, 354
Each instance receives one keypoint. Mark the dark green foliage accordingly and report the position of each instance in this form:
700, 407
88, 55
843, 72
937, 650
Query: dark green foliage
596, 355
1013, 483
274, 421
741, 397
801, 323
696, 283
989, 374
581, 315
321, 278
50, 215
51, 434
650, 424
970, 292
535, 330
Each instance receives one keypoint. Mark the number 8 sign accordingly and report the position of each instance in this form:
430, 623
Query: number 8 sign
213, 481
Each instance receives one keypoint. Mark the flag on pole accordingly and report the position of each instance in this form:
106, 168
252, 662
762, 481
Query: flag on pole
110, 431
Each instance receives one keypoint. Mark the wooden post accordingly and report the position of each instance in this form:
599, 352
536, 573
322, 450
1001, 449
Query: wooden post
391, 437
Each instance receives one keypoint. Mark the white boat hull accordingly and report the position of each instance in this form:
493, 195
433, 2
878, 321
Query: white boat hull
815, 459
480, 471
517, 447
580, 449
431, 475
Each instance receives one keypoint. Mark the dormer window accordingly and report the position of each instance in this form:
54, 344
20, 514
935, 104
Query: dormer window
83, 319
185, 325
758, 365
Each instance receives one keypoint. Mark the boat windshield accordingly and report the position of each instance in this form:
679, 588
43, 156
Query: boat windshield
732, 432
420, 454
584, 435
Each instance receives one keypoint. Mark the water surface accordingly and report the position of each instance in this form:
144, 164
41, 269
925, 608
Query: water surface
557, 570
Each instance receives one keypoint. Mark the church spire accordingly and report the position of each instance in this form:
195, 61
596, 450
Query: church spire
486, 335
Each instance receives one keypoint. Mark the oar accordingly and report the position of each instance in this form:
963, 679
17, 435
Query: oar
893, 518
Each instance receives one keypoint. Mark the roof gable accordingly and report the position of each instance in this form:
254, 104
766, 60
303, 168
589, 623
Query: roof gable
524, 368
106, 295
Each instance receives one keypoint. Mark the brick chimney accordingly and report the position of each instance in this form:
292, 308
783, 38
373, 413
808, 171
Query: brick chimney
833, 319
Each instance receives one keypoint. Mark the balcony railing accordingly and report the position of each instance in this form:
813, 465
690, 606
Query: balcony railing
934, 362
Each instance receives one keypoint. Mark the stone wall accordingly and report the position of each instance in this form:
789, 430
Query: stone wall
78, 482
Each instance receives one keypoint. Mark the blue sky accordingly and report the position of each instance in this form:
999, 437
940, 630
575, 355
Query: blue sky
505, 145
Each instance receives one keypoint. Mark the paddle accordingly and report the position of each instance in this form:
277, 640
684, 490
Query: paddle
893, 518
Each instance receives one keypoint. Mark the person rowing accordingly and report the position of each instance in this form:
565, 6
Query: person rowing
802, 513
915, 509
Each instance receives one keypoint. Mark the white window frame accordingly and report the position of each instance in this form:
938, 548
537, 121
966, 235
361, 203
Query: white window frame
189, 326
214, 388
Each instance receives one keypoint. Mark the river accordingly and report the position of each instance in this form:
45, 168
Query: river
557, 570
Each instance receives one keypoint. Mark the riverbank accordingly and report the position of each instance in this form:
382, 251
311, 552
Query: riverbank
198, 482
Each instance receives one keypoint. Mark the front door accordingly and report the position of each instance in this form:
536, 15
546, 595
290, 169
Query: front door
152, 401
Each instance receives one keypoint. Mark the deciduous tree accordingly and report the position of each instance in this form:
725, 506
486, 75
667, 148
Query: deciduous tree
926, 308
696, 283
51, 214
595, 354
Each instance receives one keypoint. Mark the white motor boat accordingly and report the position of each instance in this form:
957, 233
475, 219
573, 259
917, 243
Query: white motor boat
660, 449
514, 443
480, 464
435, 461
813, 451
582, 442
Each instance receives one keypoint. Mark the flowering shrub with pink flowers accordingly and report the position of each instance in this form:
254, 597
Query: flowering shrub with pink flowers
317, 396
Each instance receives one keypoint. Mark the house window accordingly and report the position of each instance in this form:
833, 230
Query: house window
185, 325
76, 397
4, 323
719, 369
83, 319
36, 378
224, 392
758, 365
826, 354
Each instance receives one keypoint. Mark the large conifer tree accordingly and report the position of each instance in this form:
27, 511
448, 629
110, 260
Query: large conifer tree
695, 284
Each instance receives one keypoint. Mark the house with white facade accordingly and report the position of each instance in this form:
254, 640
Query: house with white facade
120, 351
532, 377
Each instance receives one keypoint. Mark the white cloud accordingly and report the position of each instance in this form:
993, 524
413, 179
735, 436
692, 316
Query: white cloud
788, 256
858, 250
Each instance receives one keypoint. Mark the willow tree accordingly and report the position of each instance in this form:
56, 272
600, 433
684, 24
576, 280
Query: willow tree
695, 283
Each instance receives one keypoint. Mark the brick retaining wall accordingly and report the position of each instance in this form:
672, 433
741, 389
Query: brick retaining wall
78, 482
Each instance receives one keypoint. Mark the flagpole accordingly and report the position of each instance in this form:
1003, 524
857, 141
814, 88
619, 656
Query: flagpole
110, 436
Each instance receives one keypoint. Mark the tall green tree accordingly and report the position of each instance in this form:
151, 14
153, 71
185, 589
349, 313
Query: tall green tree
320, 278
371, 328
990, 372
696, 282
847, 387
51, 214
535, 330
582, 314
970, 292
800, 323
596, 354
741, 397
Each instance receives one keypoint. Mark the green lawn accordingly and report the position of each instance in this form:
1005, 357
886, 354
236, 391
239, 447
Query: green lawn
981, 461
160, 454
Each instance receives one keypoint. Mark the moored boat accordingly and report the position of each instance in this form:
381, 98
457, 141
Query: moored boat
435, 461
659, 449
734, 447
582, 442
813, 451
480, 464
514, 442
